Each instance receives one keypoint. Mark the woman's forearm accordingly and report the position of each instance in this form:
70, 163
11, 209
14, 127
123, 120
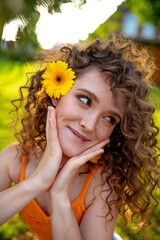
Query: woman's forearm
17, 197
64, 223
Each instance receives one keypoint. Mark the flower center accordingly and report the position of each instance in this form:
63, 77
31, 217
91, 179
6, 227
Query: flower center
59, 78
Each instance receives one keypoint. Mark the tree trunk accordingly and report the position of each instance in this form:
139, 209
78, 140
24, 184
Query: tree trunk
2, 23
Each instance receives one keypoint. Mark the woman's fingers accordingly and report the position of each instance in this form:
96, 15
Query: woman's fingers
77, 161
53, 147
95, 147
50, 162
51, 131
65, 177
51, 126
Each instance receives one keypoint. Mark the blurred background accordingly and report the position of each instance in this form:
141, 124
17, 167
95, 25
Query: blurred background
28, 27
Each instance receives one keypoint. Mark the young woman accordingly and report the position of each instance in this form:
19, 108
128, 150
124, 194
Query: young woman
87, 148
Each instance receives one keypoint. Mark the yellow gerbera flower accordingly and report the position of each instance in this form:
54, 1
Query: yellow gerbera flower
58, 79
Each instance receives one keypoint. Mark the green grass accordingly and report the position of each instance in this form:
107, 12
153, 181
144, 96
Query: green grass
13, 75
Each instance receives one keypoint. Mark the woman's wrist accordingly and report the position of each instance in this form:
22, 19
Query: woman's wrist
35, 184
60, 200
60, 207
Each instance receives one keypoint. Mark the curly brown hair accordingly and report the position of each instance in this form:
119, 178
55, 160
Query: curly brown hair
132, 165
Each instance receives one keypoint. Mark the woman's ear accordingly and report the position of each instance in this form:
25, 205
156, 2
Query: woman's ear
54, 101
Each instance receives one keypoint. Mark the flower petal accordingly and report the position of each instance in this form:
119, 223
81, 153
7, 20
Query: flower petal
58, 79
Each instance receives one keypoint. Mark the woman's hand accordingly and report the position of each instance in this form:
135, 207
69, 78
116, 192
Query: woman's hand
64, 223
50, 162
61, 186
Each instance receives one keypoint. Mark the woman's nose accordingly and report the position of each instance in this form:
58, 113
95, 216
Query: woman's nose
89, 122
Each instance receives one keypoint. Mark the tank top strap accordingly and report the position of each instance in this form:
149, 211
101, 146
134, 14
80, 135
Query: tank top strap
23, 168
88, 180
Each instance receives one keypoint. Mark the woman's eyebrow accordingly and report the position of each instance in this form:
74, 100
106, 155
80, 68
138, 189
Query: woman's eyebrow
92, 95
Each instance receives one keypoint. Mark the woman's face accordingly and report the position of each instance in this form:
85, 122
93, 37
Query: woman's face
87, 114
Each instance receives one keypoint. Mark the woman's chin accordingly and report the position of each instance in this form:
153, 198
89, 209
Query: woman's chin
70, 152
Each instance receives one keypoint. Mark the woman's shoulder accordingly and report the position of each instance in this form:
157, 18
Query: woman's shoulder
10, 161
99, 202
11, 152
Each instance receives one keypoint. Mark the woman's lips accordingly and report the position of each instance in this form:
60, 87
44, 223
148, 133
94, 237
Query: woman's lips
78, 136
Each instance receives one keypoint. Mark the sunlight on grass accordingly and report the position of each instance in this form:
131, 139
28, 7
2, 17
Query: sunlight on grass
13, 75
157, 121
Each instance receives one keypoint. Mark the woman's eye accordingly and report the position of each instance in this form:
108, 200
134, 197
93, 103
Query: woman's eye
111, 120
85, 100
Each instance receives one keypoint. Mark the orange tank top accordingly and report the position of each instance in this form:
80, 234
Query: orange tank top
35, 217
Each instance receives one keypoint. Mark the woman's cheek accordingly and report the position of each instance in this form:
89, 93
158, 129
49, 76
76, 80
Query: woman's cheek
104, 132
